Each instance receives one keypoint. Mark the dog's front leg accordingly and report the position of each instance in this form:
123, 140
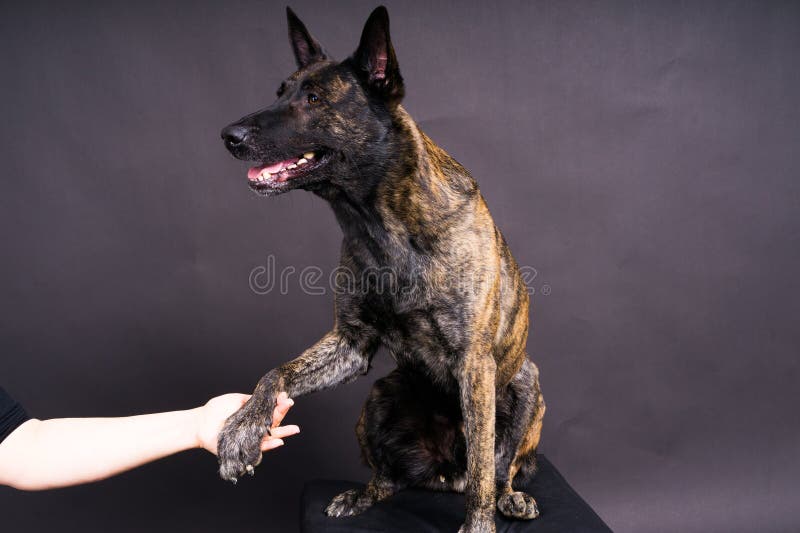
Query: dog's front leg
336, 358
477, 383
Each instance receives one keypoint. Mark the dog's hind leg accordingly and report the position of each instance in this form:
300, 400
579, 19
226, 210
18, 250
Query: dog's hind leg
356, 501
410, 433
520, 409
380, 487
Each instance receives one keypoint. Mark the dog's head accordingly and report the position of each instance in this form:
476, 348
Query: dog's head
330, 118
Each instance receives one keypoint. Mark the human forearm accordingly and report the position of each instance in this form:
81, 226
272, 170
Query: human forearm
66, 451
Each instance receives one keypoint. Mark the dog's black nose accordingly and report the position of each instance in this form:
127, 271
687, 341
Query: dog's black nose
234, 135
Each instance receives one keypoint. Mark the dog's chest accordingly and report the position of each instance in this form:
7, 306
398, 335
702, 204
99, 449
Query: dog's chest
411, 300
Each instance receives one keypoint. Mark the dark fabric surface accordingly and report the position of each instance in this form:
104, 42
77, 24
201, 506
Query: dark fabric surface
12, 415
421, 511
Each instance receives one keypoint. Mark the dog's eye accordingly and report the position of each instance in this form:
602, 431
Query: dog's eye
281, 90
313, 98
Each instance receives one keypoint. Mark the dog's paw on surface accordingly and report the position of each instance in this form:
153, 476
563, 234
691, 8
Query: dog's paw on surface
239, 446
517, 505
349, 503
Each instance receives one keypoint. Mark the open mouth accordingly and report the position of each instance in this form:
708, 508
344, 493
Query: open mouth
278, 174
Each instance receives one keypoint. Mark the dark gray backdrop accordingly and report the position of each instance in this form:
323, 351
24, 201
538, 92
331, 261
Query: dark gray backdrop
642, 157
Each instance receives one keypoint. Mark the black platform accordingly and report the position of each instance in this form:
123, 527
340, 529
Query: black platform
422, 511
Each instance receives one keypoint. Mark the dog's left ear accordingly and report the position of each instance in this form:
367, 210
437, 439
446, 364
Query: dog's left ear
306, 49
375, 60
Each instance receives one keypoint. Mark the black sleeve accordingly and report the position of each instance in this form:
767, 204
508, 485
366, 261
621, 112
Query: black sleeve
12, 415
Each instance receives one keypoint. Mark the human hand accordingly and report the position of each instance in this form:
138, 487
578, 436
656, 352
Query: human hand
216, 411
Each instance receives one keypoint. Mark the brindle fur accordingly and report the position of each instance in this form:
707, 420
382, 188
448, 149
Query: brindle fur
463, 410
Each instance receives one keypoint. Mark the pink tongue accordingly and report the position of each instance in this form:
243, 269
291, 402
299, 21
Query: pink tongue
254, 172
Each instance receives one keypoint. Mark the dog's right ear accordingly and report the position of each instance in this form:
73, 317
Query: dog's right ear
306, 49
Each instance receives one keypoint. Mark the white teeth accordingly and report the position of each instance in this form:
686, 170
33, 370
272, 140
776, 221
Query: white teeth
309, 155
302, 161
263, 176
292, 166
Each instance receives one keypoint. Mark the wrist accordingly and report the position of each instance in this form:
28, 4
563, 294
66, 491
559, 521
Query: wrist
194, 426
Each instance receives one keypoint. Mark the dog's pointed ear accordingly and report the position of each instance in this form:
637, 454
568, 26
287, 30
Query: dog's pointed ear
306, 49
375, 61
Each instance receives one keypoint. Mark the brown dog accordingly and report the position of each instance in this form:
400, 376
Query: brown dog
463, 410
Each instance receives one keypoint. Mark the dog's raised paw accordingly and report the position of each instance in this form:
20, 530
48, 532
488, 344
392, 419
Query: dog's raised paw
239, 446
517, 505
349, 503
